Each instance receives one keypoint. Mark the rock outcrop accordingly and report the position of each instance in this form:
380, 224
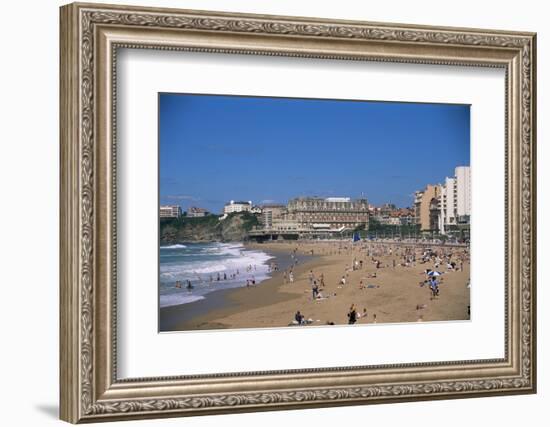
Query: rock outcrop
207, 229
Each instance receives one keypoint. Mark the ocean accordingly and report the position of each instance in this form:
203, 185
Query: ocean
203, 264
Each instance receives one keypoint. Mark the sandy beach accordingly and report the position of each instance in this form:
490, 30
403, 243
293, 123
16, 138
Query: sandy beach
383, 281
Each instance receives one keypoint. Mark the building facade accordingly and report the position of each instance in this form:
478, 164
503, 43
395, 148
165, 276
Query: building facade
389, 220
455, 201
233, 206
256, 210
406, 216
170, 211
447, 204
194, 212
337, 212
283, 224
423, 207
463, 192
270, 213
434, 213
389, 214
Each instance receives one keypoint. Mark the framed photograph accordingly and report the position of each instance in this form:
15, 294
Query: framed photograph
301, 254
266, 213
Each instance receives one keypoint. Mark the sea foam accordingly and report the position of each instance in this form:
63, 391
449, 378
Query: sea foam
202, 264
176, 246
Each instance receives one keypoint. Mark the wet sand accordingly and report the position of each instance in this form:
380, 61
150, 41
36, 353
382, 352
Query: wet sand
395, 295
199, 314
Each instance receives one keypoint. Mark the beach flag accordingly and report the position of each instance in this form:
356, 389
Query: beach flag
356, 237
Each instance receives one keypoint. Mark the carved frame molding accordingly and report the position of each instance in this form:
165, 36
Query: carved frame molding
90, 37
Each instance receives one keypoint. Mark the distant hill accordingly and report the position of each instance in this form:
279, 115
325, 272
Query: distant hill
207, 229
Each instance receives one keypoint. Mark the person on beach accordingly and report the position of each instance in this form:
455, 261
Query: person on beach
178, 284
315, 290
291, 277
284, 277
189, 285
299, 317
434, 288
352, 315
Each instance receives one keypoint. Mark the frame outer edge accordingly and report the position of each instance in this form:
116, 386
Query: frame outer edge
77, 339
69, 356
533, 201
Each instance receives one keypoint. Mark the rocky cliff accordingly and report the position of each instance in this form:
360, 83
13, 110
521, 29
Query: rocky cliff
207, 229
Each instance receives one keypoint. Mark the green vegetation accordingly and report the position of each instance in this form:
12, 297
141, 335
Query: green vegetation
208, 228
248, 219
359, 228
183, 220
378, 230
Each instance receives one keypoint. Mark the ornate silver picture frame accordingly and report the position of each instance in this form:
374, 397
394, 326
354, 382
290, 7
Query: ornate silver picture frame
91, 35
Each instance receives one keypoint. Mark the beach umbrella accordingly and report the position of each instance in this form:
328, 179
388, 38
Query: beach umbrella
434, 273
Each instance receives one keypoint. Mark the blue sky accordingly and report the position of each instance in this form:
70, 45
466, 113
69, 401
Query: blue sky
219, 148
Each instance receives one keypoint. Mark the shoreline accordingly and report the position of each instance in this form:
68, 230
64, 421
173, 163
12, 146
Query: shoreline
195, 315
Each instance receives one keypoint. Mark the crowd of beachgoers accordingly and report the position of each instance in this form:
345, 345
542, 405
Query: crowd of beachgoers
344, 282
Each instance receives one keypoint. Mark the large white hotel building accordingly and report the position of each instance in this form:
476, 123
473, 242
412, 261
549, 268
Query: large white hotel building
334, 212
234, 206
